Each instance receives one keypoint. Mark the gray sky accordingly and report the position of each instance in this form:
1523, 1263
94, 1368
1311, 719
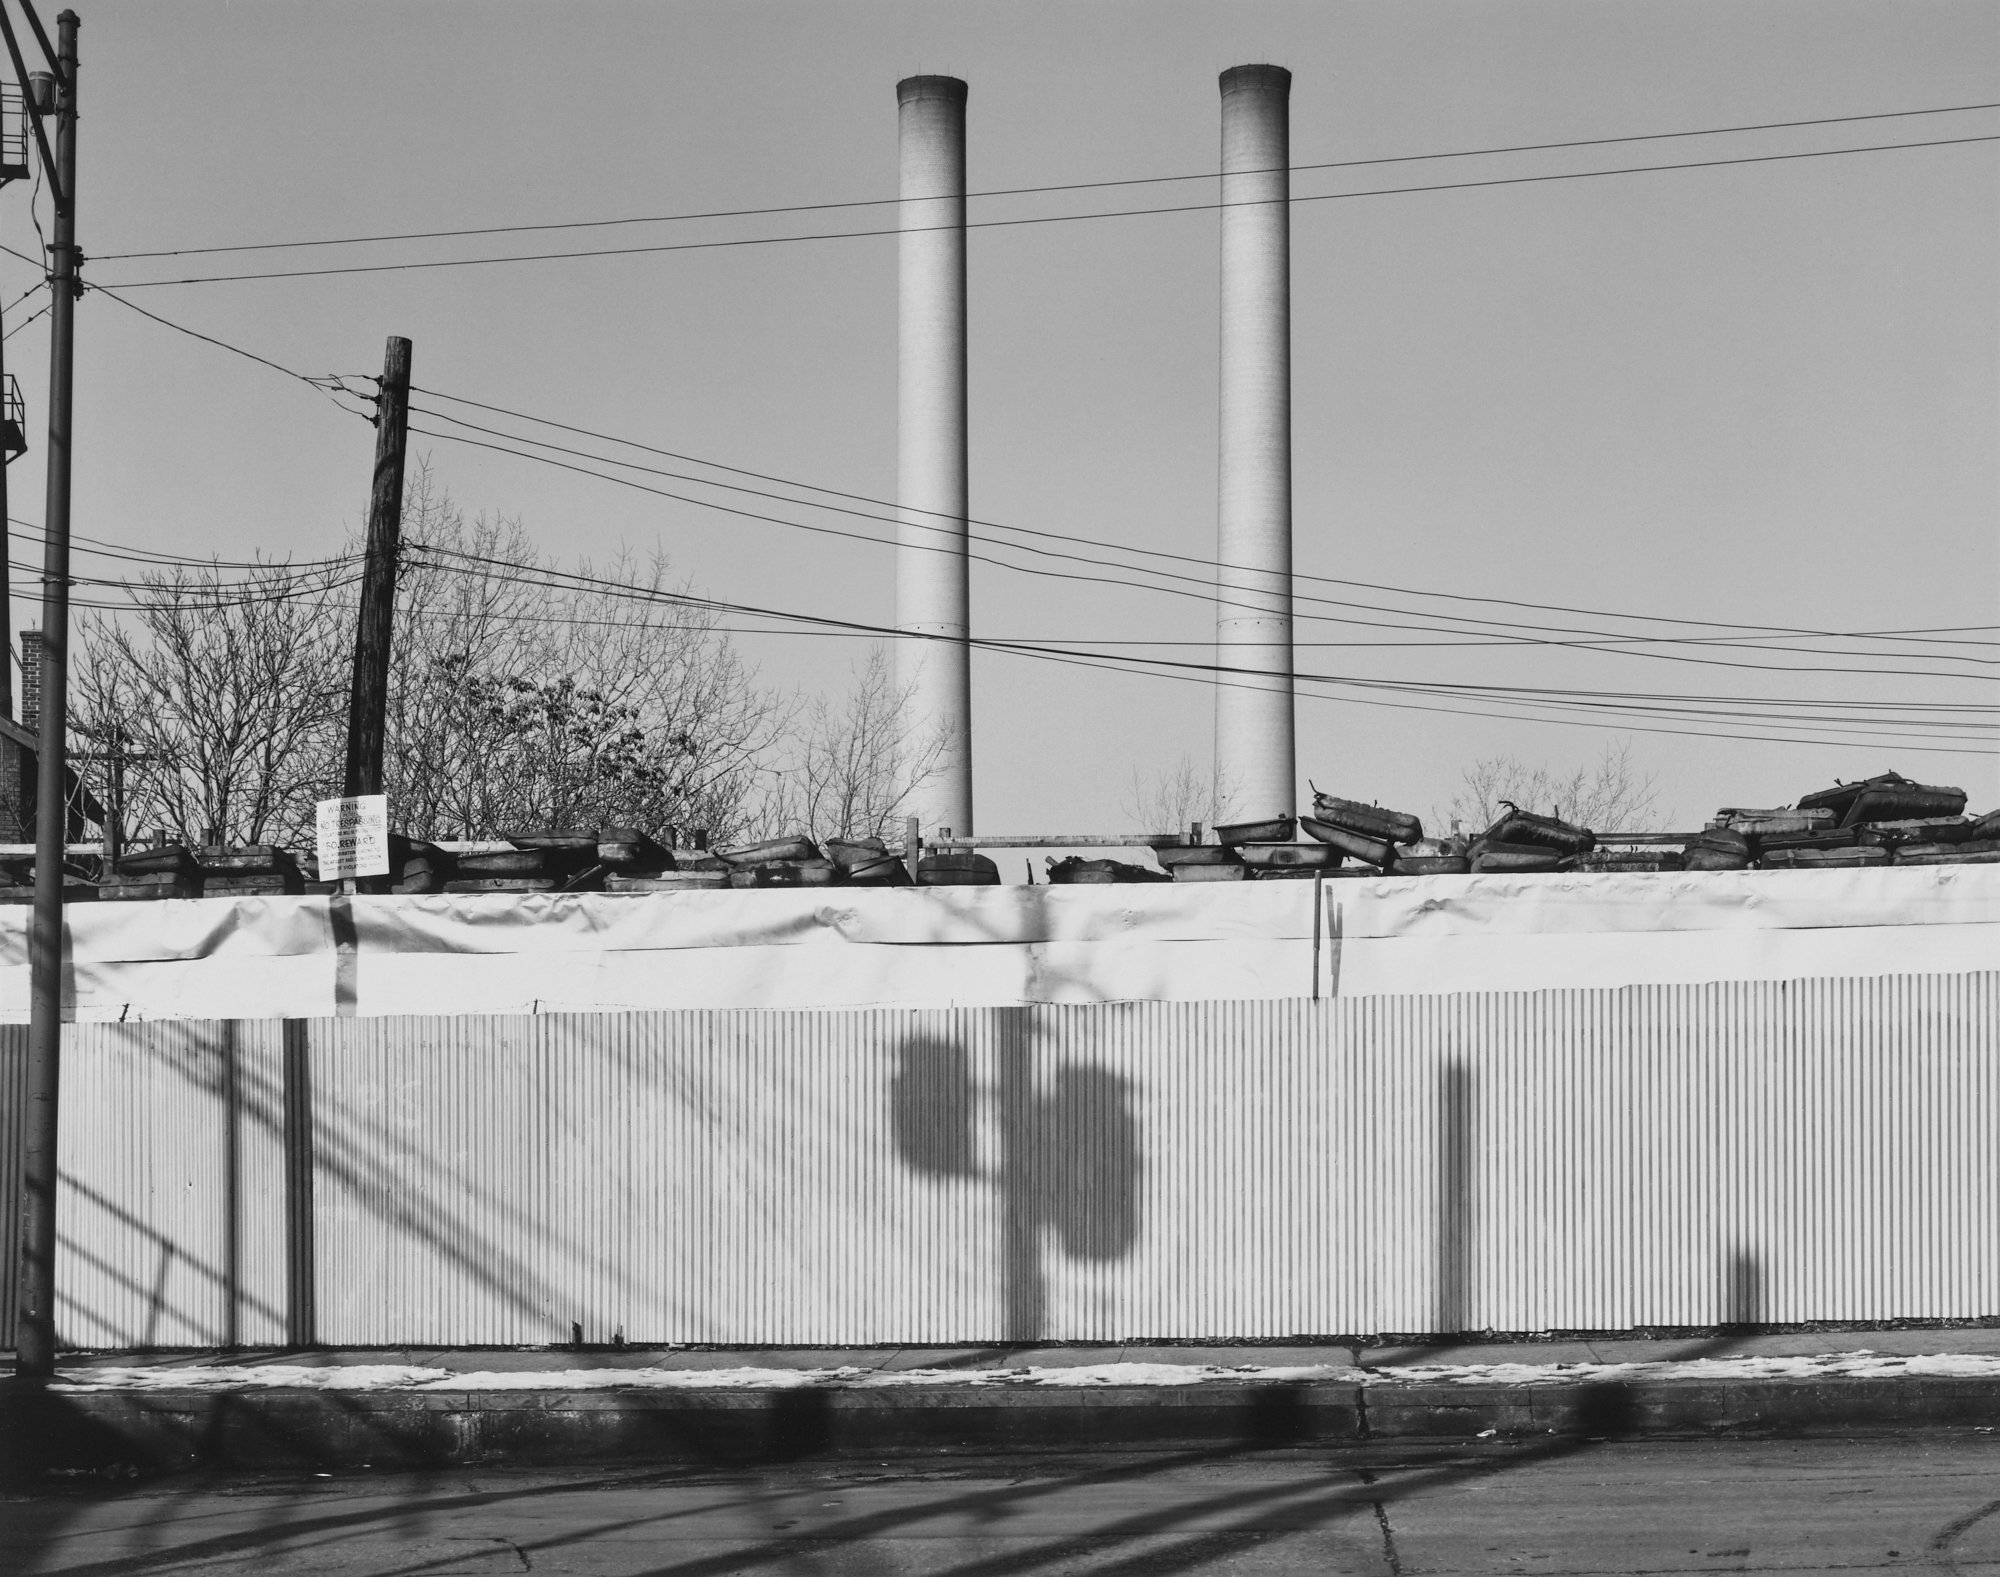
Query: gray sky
1758, 394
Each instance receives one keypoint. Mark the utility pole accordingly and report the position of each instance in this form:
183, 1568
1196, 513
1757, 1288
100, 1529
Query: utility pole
35, 1326
6, 543
368, 704
13, 419
114, 800
113, 759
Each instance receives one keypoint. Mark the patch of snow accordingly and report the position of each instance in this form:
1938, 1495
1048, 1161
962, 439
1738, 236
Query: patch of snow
642, 1379
249, 1377
397, 1377
1750, 1366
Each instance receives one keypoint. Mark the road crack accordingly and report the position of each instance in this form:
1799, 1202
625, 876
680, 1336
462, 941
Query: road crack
1380, 1507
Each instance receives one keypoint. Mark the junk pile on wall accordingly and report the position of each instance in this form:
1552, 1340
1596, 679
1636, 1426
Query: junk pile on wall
1884, 820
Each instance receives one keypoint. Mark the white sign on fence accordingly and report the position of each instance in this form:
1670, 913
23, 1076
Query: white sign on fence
353, 837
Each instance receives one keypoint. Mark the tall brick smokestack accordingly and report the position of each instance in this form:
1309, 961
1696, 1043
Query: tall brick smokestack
932, 598
1255, 761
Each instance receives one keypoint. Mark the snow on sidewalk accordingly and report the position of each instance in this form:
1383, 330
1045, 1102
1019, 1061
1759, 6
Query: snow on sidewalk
408, 1378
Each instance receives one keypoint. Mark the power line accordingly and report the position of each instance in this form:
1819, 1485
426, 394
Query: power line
100, 548
626, 588
328, 384
1208, 595
1128, 548
537, 575
1025, 191
30, 318
1039, 219
190, 598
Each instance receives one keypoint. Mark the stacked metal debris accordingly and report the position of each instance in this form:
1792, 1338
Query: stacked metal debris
1380, 840
1880, 821
533, 864
168, 871
1223, 861
1884, 820
1523, 841
636, 862
17, 880
799, 862
420, 867
1075, 871
780, 862
867, 862
957, 868
248, 870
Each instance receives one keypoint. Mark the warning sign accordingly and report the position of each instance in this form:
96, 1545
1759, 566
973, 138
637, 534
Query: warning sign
353, 837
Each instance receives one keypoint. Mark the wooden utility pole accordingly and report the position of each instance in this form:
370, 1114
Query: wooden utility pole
368, 705
35, 1325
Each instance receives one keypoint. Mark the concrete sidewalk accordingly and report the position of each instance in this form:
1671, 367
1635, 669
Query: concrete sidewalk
1385, 1359
425, 1407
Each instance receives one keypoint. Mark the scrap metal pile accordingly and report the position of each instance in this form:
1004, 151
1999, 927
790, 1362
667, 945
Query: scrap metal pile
611, 860
1885, 820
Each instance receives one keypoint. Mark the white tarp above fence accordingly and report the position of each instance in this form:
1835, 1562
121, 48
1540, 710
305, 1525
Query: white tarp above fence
1000, 946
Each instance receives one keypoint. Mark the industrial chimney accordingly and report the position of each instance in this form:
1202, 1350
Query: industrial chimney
1255, 767
933, 659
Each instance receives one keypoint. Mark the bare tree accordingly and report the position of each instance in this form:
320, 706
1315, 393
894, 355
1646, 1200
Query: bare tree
523, 698
1171, 798
518, 698
854, 766
1611, 796
229, 693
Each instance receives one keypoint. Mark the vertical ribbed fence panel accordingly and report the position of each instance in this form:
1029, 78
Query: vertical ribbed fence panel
169, 1214
13, 1134
1762, 1152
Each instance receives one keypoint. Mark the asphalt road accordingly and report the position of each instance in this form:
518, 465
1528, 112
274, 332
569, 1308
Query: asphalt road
1930, 1503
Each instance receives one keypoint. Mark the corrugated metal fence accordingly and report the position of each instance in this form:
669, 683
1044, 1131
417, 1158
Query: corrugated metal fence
1814, 1150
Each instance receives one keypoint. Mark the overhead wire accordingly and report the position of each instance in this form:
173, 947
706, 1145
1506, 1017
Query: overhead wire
901, 510
1205, 591
190, 596
321, 383
1514, 695
601, 583
1206, 673
103, 548
1624, 702
329, 384
1040, 219
39, 312
1026, 191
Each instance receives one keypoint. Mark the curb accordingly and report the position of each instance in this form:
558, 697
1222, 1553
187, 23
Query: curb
169, 1431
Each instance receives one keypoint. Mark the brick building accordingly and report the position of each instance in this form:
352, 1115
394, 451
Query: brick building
18, 756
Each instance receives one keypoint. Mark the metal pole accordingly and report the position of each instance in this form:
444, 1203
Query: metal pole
35, 1328
6, 547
